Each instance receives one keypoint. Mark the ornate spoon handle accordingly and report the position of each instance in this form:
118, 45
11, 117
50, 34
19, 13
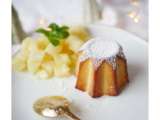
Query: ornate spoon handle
68, 113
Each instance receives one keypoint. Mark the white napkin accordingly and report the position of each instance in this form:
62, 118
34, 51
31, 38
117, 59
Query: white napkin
60, 11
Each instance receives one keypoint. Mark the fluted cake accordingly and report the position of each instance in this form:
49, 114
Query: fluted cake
101, 68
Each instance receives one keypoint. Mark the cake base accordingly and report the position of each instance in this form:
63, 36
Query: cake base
104, 80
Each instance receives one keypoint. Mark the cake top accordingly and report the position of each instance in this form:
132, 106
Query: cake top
100, 48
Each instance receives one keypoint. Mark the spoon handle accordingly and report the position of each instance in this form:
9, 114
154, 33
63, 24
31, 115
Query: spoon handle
71, 115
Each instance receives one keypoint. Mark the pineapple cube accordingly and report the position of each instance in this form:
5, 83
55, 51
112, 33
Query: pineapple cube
62, 59
48, 67
65, 48
34, 61
47, 58
19, 63
33, 47
73, 58
42, 74
42, 43
52, 50
61, 70
38, 44
74, 43
25, 46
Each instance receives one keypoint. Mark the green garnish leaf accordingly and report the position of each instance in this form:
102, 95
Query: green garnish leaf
53, 26
55, 33
65, 27
41, 30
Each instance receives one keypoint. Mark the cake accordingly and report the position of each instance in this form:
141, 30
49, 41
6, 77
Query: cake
101, 68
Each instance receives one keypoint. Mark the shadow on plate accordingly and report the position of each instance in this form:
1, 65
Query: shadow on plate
134, 70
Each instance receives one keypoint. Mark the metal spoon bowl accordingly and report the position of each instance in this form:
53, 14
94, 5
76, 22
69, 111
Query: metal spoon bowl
53, 106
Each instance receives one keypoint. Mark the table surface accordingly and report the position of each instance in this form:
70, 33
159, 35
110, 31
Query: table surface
30, 11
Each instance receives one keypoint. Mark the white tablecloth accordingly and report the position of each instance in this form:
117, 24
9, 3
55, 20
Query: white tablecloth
78, 11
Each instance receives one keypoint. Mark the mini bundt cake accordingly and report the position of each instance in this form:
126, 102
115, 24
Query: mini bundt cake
101, 68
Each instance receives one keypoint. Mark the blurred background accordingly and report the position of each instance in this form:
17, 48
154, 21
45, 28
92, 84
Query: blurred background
129, 15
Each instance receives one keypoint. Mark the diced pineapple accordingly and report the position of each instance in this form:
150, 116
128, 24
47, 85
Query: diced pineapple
38, 45
62, 59
19, 63
33, 66
47, 57
74, 43
73, 58
37, 55
25, 45
34, 61
65, 48
33, 47
48, 67
42, 43
52, 50
80, 31
61, 70
42, 58
42, 74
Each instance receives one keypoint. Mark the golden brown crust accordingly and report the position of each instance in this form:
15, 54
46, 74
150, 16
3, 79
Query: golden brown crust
85, 76
80, 83
122, 73
103, 81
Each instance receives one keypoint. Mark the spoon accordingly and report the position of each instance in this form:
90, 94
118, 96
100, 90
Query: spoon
53, 106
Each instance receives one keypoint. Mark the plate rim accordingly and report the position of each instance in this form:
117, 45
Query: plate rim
117, 29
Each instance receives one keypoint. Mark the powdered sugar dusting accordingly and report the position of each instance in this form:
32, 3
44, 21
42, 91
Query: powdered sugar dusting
100, 50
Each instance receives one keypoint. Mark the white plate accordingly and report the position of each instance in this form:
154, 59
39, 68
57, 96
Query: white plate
131, 104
